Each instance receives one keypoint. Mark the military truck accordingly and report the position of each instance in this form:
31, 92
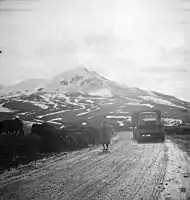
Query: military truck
147, 125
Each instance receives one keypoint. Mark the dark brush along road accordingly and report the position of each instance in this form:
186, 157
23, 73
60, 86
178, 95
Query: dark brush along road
128, 171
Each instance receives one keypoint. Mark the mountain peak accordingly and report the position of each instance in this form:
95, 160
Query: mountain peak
77, 70
77, 73
78, 79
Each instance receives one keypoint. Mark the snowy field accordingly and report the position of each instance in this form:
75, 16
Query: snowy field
56, 108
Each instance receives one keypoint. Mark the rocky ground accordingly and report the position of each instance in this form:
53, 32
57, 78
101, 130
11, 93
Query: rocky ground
128, 171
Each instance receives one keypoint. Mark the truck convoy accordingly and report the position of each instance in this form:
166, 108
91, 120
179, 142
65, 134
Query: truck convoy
147, 125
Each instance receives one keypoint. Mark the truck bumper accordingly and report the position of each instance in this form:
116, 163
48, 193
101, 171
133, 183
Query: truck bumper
150, 136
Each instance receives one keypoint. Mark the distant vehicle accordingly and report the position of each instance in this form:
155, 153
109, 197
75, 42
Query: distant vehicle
147, 125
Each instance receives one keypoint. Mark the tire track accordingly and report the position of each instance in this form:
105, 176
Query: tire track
160, 179
151, 182
133, 178
88, 162
134, 195
115, 186
131, 171
45, 170
111, 178
65, 166
114, 181
95, 165
91, 172
64, 170
81, 191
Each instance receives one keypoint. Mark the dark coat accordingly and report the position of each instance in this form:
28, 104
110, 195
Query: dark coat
106, 133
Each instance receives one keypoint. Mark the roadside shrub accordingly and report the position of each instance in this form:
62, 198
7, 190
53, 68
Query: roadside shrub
176, 130
44, 138
51, 137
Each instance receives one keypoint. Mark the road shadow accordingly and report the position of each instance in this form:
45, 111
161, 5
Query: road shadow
150, 142
103, 153
147, 141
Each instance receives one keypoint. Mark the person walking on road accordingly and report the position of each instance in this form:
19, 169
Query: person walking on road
105, 135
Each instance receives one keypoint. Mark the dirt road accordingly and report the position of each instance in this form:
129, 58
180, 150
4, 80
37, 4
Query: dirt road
129, 171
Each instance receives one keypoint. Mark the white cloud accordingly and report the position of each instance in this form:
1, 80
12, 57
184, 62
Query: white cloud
138, 44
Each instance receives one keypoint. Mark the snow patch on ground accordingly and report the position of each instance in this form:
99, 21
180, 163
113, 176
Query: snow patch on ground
158, 100
139, 104
79, 108
54, 113
90, 101
117, 117
84, 113
36, 103
161, 101
171, 121
90, 117
88, 111
52, 122
123, 112
55, 119
3, 109
57, 97
43, 106
24, 113
48, 97
136, 100
108, 103
148, 105
101, 92
38, 120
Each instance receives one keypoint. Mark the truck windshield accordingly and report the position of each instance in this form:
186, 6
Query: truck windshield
147, 118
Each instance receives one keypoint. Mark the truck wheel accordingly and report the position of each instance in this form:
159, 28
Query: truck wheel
163, 139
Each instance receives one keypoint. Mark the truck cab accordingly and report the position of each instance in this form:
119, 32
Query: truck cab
147, 125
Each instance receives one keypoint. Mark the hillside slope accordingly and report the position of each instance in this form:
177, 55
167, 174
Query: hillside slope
83, 95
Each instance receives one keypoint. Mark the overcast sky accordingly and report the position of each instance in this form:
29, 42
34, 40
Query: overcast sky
142, 43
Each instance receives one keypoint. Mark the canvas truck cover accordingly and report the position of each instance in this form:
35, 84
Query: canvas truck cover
135, 115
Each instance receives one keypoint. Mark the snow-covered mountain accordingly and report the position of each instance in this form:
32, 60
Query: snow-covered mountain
83, 94
82, 80
79, 79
